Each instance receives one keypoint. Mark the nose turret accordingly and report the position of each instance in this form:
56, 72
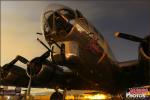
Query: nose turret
57, 21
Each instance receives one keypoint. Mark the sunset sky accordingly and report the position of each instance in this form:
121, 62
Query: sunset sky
20, 20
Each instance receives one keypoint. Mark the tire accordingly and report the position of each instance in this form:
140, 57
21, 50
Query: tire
56, 96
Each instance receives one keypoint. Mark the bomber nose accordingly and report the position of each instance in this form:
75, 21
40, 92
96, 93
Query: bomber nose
57, 21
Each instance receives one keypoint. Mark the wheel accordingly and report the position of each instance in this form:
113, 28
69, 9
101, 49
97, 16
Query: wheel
56, 96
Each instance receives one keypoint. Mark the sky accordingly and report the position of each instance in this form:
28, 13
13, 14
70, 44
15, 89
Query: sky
20, 20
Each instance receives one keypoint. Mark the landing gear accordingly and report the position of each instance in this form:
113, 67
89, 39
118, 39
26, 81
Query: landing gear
57, 95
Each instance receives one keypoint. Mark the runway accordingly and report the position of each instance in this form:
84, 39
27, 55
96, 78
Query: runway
44, 94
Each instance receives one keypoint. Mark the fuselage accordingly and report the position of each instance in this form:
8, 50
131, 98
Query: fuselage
76, 45
86, 52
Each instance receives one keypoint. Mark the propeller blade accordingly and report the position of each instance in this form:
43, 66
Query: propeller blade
129, 37
45, 55
29, 86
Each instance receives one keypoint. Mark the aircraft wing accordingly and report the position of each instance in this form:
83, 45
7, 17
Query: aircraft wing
14, 76
134, 73
126, 64
64, 79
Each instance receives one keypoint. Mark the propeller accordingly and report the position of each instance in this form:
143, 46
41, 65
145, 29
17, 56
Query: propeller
36, 63
29, 85
144, 42
129, 37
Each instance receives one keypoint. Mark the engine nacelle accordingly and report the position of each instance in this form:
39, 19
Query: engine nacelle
11, 73
40, 71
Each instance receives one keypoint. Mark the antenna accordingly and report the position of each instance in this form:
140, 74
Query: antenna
53, 41
44, 45
39, 33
